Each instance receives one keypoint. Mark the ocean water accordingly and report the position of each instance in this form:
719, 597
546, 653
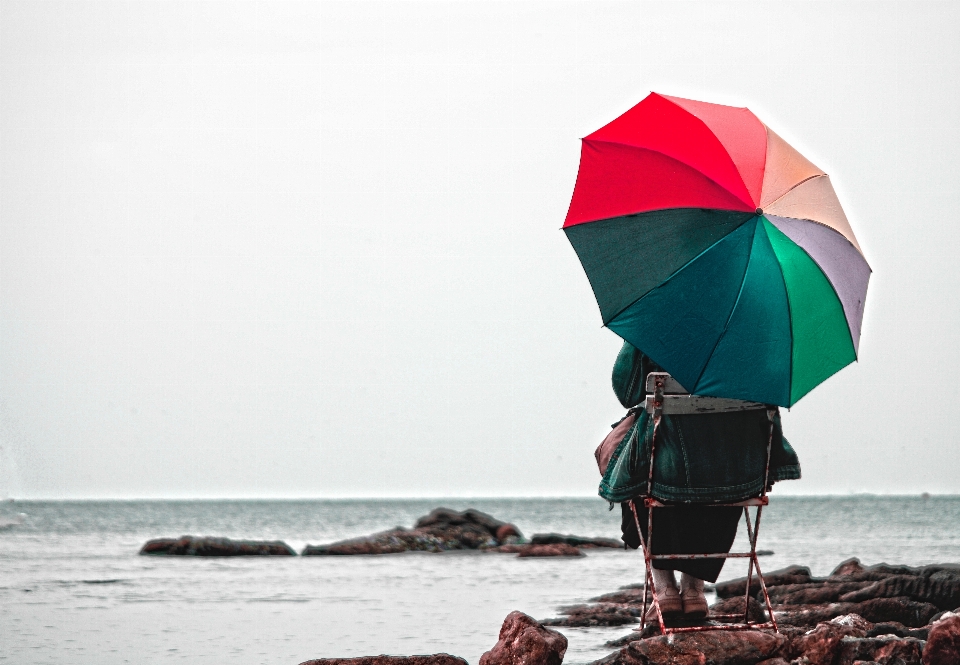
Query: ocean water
73, 589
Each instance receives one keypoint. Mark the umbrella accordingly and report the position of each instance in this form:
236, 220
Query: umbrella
718, 250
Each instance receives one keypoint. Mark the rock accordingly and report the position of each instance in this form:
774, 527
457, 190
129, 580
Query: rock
888, 650
210, 546
745, 647
523, 641
898, 629
941, 589
849, 567
943, 643
630, 596
556, 549
876, 610
435, 659
773, 661
814, 593
821, 645
576, 541
789, 575
506, 532
603, 614
735, 606
442, 530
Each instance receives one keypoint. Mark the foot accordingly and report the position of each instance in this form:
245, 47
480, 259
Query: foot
692, 598
670, 604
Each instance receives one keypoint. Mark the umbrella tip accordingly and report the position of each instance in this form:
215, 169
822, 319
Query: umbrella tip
759, 211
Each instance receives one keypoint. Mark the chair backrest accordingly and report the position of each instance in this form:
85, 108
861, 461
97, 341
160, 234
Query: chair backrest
678, 401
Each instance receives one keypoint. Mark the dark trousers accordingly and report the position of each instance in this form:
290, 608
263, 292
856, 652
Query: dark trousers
685, 530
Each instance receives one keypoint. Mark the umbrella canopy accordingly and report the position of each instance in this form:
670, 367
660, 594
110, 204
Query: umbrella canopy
718, 250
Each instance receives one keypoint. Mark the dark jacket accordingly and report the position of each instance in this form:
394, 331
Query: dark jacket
699, 458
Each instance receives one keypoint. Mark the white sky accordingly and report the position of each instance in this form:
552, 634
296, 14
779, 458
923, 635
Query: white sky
312, 249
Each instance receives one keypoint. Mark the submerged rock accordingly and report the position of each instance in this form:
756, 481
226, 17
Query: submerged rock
575, 541
210, 546
434, 659
554, 549
601, 614
524, 641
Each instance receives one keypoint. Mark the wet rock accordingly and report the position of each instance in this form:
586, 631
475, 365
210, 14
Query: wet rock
734, 606
602, 614
523, 641
789, 575
943, 643
555, 549
814, 593
888, 650
940, 588
440, 531
629, 596
575, 541
746, 647
435, 659
876, 610
211, 546
898, 629
821, 645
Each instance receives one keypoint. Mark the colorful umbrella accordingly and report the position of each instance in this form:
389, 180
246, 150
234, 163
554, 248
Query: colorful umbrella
718, 250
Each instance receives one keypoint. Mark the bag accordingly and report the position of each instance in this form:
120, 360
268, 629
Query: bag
608, 446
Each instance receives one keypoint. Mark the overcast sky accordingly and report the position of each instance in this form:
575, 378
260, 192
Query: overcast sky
312, 249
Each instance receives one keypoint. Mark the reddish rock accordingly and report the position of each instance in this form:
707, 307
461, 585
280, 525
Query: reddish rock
746, 647
943, 643
556, 549
210, 546
888, 650
523, 641
774, 661
821, 645
435, 659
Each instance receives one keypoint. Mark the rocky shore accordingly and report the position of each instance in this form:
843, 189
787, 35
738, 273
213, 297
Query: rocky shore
858, 615
890, 615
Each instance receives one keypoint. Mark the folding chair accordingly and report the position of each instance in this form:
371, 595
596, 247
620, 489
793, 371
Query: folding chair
666, 396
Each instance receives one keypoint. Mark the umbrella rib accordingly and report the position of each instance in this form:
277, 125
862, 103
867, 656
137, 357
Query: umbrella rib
748, 204
743, 279
795, 185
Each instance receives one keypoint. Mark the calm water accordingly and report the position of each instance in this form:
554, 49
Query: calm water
72, 588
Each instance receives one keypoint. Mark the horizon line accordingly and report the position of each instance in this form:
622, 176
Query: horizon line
9, 500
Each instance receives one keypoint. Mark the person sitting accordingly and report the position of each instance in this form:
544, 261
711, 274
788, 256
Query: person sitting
700, 459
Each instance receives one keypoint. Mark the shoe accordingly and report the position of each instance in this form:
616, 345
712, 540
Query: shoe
694, 603
670, 604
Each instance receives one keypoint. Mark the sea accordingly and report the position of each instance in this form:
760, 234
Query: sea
73, 588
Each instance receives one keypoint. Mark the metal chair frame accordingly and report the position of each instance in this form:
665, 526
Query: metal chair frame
666, 396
